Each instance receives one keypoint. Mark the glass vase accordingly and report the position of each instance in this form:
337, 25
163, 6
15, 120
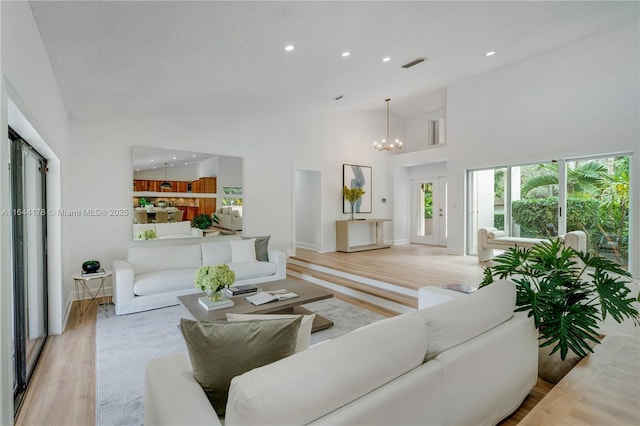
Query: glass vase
215, 296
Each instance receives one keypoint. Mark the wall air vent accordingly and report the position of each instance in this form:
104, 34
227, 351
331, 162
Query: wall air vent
414, 62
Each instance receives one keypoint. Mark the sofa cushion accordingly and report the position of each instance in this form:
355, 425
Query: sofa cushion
311, 383
304, 332
221, 350
458, 320
163, 281
149, 259
243, 250
262, 247
248, 270
216, 252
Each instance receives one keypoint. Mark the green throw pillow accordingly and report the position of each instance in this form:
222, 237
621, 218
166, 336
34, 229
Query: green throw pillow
221, 350
262, 248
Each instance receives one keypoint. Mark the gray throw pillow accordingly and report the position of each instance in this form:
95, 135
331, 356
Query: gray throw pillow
221, 350
262, 248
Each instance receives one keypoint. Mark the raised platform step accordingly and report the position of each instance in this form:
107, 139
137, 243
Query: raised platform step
377, 292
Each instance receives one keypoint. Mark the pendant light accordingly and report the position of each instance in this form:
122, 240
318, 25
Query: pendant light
386, 144
165, 184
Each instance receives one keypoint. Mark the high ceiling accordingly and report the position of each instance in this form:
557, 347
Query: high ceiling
174, 58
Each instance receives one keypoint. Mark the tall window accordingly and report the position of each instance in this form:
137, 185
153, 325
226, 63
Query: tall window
548, 199
29, 269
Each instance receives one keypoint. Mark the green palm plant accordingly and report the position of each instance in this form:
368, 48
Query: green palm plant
567, 293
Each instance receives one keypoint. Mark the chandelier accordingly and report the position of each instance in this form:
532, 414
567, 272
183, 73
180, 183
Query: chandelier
387, 144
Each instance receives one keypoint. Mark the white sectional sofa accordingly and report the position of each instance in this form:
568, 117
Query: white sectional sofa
467, 361
169, 230
491, 238
230, 217
153, 277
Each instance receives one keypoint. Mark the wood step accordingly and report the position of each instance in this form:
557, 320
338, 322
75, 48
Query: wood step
364, 288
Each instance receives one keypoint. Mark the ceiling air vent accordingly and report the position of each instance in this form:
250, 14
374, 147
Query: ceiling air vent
414, 62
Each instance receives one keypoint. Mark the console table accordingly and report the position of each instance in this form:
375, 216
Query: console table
343, 241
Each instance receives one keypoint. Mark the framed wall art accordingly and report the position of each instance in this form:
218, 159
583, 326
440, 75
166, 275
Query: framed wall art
354, 176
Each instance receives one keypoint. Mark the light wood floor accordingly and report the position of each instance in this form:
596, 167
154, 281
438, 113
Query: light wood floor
63, 388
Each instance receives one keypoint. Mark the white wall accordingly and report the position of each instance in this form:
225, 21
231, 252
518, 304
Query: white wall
578, 100
272, 147
36, 111
230, 172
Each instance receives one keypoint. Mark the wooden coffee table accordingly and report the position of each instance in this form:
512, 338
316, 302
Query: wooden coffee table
307, 293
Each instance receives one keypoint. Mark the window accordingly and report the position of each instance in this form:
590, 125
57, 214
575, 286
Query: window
235, 196
549, 199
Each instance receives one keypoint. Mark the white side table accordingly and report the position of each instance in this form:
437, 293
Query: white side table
82, 282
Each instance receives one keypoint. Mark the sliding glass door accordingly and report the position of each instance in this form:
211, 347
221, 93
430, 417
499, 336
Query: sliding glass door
549, 199
29, 269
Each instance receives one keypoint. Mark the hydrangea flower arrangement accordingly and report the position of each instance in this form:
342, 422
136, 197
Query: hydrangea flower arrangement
147, 234
214, 278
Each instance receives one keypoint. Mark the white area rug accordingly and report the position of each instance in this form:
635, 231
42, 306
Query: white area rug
125, 343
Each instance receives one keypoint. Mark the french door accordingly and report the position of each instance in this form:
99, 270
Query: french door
29, 268
429, 207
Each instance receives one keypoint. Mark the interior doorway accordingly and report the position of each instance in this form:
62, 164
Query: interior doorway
429, 211
307, 209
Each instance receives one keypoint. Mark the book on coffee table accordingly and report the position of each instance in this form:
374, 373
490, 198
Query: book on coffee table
211, 305
241, 289
270, 296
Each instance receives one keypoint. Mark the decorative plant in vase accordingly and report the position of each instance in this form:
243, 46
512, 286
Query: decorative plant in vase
146, 234
352, 195
212, 279
568, 293
202, 221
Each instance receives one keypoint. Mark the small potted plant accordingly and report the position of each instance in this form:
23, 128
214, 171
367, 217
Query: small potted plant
213, 279
352, 195
567, 292
202, 221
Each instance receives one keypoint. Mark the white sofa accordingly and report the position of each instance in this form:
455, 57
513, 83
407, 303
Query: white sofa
491, 238
153, 277
230, 217
169, 230
467, 361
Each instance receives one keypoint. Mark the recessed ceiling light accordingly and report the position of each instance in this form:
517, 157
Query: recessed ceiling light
490, 53
174, 158
154, 167
289, 48
345, 54
387, 59
151, 161
194, 156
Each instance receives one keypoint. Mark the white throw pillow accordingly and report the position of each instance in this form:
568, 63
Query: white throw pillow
304, 332
243, 250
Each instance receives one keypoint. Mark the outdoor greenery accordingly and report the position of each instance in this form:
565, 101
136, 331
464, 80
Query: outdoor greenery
537, 217
232, 201
428, 203
567, 293
597, 202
